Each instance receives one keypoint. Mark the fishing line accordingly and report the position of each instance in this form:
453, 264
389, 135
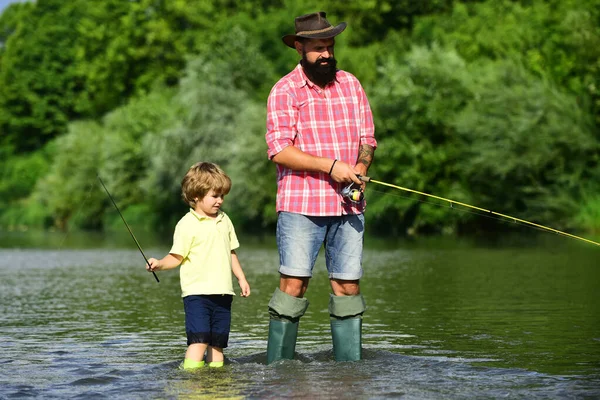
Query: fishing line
462, 210
488, 213
127, 225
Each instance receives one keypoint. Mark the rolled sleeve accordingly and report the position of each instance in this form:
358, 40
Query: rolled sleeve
282, 116
367, 130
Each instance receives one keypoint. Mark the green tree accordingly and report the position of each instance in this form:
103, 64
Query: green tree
485, 133
220, 123
525, 133
143, 149
10, 19
415, 100
112, 149
158, 85
78, 59
18, 176
69, 190
559, 40
36, 84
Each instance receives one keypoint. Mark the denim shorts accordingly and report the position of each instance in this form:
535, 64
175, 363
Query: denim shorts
208, 319
300, 237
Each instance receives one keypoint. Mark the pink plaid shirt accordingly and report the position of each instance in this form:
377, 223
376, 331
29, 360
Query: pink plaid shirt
333, 123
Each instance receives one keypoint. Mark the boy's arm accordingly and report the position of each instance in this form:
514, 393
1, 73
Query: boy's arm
236, 268
169, 261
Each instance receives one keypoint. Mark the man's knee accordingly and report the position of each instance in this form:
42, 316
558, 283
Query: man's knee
293, 286
345, 288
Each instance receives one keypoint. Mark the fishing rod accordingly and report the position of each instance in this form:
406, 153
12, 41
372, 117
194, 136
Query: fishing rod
127, 225
452, 202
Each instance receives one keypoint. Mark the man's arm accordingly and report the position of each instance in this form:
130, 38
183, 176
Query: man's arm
365, 155
295, 159
365, 158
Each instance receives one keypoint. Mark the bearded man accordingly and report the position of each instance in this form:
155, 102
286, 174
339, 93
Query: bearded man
320, 134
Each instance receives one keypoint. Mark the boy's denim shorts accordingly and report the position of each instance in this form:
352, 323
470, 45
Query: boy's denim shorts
208, 319
299, 239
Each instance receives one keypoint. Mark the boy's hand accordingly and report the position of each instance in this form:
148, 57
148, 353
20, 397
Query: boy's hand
153, 265
245, 288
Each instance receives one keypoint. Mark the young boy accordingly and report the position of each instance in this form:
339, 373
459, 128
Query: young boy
204, 245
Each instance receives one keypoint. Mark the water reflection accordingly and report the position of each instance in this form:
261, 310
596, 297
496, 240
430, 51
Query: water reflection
206, 383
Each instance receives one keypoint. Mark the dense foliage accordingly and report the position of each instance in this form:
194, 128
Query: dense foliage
494, 103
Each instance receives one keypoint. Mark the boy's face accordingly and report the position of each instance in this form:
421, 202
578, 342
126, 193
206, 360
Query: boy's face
209, 205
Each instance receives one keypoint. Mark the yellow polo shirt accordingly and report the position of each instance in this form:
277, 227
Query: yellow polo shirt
205, 244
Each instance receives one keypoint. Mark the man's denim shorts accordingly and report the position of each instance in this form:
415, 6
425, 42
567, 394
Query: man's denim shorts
208, 319
299, 239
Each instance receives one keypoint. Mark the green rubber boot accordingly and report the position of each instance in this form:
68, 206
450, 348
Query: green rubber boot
346, 326
347, 339
285, 312
282, 340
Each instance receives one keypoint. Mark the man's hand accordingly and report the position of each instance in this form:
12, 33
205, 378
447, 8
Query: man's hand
345, 173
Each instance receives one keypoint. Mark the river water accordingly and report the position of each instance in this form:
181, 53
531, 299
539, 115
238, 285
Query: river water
447, 318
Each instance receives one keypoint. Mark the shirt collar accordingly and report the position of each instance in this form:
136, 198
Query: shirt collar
203, 217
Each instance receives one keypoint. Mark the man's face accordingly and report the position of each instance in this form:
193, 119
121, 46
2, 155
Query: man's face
318, 61
316, 49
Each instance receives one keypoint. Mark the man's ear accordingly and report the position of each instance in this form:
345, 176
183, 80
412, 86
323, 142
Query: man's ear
298, 47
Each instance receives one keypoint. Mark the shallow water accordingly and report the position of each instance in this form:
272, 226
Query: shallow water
446, 318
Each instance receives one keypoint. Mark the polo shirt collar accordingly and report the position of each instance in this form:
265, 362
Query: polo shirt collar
204, 217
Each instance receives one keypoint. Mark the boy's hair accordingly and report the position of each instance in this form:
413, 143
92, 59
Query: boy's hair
200, 179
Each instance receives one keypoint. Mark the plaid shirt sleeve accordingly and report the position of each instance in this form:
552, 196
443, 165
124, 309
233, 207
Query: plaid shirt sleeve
367, 130
281, 119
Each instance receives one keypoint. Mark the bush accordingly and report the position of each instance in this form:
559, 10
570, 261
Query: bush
70, 188
415, 101
525, 134
17, 180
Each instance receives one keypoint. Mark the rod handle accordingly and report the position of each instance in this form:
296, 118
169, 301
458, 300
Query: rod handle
364, 178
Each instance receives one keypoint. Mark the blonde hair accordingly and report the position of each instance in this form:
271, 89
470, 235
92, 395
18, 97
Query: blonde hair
200, 179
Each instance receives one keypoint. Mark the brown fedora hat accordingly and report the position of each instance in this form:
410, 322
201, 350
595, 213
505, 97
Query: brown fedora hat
313, 26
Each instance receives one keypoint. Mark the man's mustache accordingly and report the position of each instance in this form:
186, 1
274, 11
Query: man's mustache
328, 60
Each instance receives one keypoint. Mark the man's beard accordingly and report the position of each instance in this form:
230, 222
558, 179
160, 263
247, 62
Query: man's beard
320, 74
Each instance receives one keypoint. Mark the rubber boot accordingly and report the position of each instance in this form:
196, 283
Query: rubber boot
285, 312
347, 338
282, 340
346, 326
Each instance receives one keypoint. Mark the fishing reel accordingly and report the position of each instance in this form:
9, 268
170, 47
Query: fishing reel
353, 192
